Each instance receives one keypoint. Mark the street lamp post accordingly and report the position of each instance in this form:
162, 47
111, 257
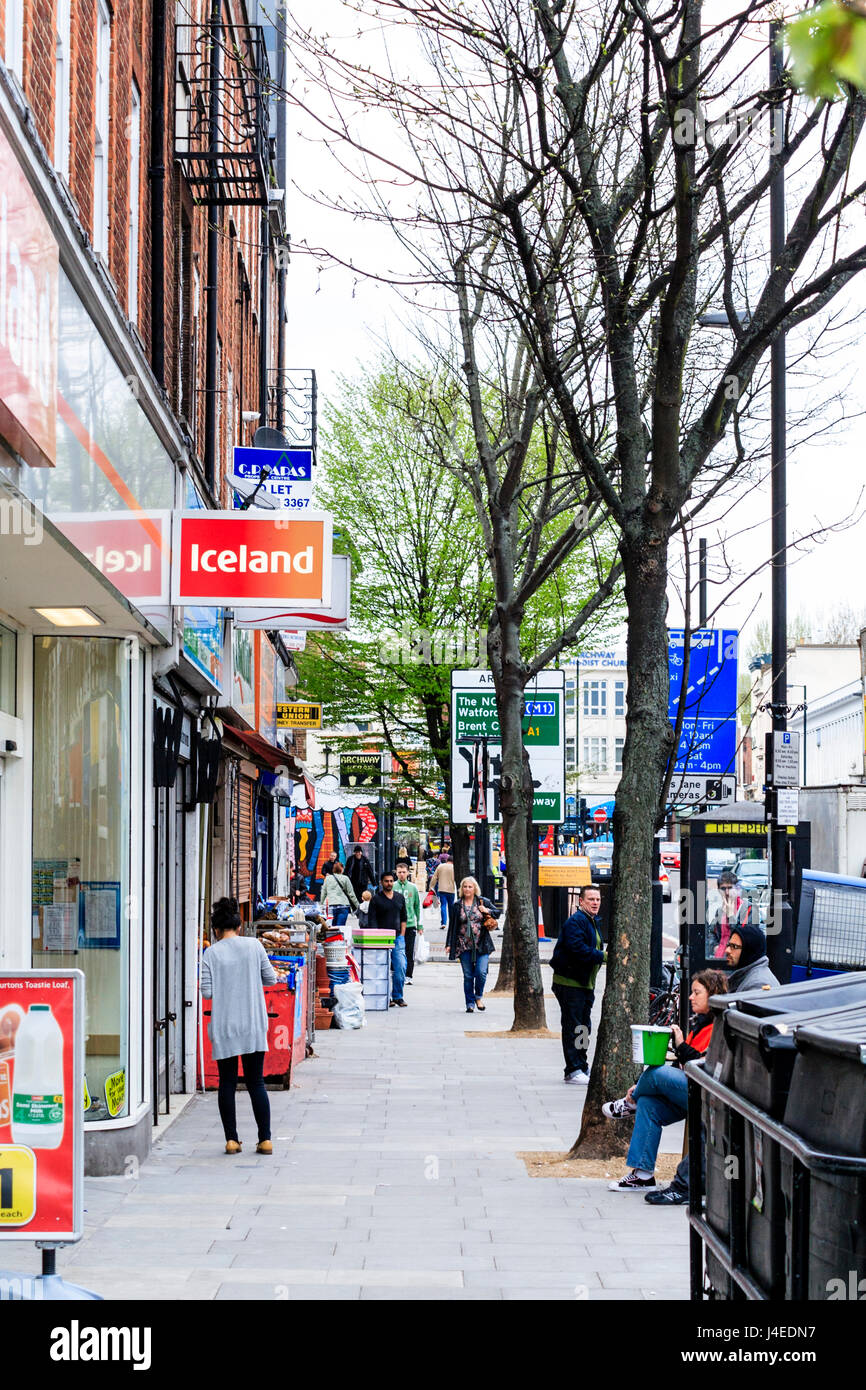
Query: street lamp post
780, 943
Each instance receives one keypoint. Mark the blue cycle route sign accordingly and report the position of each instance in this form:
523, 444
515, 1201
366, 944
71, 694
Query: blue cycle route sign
708, 741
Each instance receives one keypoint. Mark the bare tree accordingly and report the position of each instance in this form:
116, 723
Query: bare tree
580, 185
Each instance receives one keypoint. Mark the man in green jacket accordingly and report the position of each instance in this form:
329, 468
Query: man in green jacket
413, 915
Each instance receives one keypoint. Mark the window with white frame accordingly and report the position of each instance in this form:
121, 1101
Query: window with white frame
13, 46
594, 698
62, 76
570, 699
618, 746
134, 200
595, 754
619, 699
570, 754
102, 110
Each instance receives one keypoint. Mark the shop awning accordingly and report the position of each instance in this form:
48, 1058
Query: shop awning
40, 568
267, 755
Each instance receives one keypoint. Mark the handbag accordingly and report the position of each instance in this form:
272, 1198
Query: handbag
428, 898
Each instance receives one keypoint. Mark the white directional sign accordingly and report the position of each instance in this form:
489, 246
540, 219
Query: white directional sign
687, 791
474, 715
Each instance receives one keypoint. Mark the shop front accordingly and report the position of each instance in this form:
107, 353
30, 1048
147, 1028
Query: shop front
87, 469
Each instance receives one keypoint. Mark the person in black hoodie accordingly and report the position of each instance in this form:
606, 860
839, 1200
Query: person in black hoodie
577, 958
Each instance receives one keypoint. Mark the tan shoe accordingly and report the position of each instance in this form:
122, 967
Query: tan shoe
264, 1147
232, 1146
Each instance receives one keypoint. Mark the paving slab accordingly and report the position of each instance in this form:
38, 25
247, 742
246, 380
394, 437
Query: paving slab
395, 1177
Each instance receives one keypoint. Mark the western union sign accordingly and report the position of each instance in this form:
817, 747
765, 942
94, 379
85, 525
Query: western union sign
299, 716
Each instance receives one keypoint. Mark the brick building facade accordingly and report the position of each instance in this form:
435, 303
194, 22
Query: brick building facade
80, 60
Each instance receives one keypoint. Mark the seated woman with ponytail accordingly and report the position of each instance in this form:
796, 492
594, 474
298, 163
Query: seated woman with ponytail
659, 1097
233, 971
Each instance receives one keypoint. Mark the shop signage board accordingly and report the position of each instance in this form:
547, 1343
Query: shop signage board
41, 1105
360, 769
29, 263
335, 617
296, 716
228, 559
132, 549
473, 716
708, 740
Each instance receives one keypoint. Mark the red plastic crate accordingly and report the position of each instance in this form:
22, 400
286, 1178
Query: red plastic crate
280, 1002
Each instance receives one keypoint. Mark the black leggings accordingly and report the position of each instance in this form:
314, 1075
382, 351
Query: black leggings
254, 1063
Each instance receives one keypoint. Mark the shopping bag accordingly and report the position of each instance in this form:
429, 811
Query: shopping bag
428, 898
422, 948
349, 1010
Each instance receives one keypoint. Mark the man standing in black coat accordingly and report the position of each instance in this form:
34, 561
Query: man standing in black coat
577, 958
359, 873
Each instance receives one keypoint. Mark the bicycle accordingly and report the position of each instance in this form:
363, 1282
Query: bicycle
664, 1007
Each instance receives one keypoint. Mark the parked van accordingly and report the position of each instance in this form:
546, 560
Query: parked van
830, 934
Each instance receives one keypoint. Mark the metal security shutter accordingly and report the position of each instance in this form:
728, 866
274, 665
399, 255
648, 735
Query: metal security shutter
242, 837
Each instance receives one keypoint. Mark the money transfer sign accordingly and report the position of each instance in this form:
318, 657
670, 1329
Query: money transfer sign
473, 716
41, 1105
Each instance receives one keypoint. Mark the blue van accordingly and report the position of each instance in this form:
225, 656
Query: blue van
830, 936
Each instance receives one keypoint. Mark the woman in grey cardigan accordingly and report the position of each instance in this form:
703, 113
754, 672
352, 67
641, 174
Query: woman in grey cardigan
233, 971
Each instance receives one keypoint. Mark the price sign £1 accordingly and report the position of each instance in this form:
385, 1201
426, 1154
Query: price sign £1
42, 1105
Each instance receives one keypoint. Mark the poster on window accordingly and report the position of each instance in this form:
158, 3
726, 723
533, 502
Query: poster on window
41, 1105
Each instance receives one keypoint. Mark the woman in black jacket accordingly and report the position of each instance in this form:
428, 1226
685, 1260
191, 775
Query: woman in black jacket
469, 938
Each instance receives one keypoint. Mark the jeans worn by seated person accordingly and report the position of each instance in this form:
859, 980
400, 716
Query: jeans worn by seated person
474, 976
661, 1095
398, 967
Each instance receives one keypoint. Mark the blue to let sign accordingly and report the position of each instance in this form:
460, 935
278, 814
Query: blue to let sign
283, 465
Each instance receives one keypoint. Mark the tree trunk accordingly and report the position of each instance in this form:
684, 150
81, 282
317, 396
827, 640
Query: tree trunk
505, 977
648, 744
516, 799
460, 852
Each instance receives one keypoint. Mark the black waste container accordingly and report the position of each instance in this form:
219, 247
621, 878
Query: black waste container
764, 1053
752, 1052
827, 1106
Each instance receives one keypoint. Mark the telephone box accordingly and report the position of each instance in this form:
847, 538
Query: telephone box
731, 843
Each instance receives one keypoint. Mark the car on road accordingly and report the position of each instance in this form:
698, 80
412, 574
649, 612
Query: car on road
600, 858
751, 874
719, 859
669, 853
666, 886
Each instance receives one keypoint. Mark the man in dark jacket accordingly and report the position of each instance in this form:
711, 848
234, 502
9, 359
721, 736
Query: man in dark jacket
359, 873
577, 958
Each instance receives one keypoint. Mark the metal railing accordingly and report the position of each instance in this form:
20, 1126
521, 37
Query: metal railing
730, 1249
293, 405
221, 121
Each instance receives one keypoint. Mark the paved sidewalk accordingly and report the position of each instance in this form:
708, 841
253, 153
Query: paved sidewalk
394, 1176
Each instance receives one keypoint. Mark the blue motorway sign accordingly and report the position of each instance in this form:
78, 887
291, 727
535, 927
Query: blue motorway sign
283, 465
712, 679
